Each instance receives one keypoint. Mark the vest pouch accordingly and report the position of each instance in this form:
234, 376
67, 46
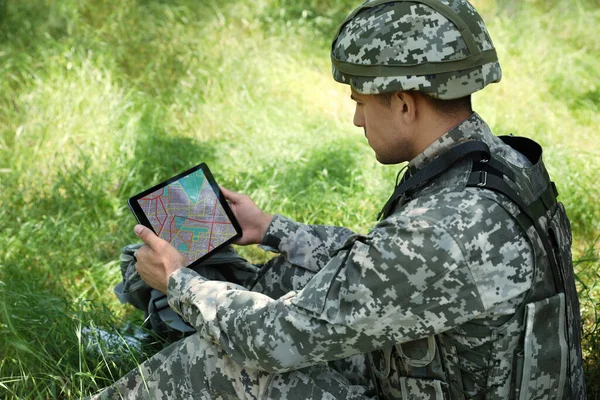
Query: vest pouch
545, 350
412, 358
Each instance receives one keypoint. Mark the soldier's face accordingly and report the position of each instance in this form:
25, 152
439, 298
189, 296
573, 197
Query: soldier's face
385, 129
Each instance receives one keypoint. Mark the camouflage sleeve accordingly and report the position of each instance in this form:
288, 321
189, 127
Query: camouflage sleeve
307, 246
411, 277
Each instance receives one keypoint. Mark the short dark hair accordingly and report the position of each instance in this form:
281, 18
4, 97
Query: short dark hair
447, 107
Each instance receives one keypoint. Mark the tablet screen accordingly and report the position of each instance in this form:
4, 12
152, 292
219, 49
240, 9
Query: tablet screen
189, 212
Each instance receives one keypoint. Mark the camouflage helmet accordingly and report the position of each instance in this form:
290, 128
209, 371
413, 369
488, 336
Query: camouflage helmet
437, 47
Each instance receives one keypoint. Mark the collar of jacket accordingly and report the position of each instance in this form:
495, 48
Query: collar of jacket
472, 128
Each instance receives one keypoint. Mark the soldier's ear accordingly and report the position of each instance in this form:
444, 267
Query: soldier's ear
407, 106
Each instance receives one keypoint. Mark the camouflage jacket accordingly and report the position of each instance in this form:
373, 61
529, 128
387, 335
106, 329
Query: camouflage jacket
436, 293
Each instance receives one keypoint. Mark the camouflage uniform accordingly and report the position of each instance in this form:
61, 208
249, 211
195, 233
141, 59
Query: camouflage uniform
448, 297
436, 292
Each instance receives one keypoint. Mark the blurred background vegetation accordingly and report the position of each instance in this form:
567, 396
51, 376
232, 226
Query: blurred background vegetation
102, 99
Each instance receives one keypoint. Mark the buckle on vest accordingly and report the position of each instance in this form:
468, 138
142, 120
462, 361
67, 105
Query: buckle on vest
482, 179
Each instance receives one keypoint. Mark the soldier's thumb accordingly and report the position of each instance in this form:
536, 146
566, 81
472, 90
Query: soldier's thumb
230, 195
146, 235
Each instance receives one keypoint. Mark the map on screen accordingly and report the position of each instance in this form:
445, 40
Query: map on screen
188, 214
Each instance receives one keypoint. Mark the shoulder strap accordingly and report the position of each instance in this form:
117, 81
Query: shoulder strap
477, 150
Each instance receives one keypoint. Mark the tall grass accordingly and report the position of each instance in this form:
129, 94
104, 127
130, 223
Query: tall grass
100, 100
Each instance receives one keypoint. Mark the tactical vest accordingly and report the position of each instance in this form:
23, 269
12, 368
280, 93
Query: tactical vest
536, 354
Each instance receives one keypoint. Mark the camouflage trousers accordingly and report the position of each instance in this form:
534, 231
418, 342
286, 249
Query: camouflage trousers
195, 368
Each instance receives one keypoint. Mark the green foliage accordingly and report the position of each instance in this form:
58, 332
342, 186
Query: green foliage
102, 99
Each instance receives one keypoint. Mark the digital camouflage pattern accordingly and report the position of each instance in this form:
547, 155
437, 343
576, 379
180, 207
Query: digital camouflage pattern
447, 296
391, 46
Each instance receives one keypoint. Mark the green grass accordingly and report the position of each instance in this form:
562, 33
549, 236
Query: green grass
100, 100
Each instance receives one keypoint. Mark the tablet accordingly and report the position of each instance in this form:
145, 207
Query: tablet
188, 211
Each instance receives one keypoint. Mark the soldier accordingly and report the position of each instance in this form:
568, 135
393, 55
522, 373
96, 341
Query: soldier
464, 289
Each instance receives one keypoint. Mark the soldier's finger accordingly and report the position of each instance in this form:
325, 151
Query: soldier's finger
231, 195
141, 252
148, 236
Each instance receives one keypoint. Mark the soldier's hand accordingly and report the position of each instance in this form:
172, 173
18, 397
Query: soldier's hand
253, 221
157, 259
